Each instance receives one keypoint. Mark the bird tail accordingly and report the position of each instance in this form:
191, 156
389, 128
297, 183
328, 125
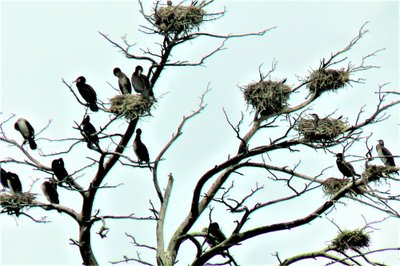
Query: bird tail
32, 144
94, 107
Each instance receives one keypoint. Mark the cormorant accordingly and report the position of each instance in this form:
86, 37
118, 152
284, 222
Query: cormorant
57, 166
140, 83
27, 132
123, 81
3, 178
385, 155
50, 191
344, 167
89, 132
13, 182
214, 234
87, 93
140, 149
316, 119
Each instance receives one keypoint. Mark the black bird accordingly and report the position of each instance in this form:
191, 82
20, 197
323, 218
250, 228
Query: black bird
3, 178
140, 149
316, 119
214, 234
27, 132
13, 182
50, 191
123, 81
57, 166
385, 155
344, 167
89, 132
140, 83
87, 93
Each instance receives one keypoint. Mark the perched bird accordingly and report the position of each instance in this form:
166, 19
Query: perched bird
316, 119
344, 167
385, 155
13, 182
87, 93
3, 178
27, 132
140, 83
140, 149
123, 81
214, 234
50, 191
57, 166
89, 132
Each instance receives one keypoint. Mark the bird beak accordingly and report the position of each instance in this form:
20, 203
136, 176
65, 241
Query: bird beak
75, 80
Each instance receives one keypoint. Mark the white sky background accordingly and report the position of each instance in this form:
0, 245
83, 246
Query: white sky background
44, 41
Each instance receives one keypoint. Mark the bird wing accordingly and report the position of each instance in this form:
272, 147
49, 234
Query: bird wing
30, 128
388, 157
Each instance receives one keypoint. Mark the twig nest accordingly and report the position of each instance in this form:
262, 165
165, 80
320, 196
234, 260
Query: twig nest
13, 203
332, 185
322, 80
354, 240
267, 97
376, 172
177, 19
321, 130
131, 105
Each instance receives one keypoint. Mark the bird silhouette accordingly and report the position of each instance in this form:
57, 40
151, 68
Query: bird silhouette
123, 81
89, 132
87, 93
140, 83
140, 149
28, 133
344, 167
50, 191
13, 182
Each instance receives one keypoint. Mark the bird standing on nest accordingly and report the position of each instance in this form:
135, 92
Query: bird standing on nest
123, 81
344, 167
27, 132
140, 149
87, 93
384, 154
13, 182
140, 83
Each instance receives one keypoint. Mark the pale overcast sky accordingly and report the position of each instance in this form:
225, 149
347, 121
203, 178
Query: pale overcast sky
45, 41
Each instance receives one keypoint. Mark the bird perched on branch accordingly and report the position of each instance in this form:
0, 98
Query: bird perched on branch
50, 191
27, 132
87, 93
344, 167
384, 154
140, 149
214, 234
123, 81
89, 132
57, 166
140, 83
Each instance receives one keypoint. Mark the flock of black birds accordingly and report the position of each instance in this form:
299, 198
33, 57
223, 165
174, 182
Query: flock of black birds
140, 84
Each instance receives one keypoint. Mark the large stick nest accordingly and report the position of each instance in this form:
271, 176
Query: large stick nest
332, 185
321, 130
376, 172
351, 240
322, 80
13, 203
267, 97
177, 19
131, 105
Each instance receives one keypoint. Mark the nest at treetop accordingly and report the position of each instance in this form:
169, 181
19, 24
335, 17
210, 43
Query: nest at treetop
267, 97
177, 19
321, 130
332, 185
131, 105
322, 80
351, 240
13, 203
376, 172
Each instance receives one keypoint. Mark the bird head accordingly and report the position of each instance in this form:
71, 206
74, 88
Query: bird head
138, 70
339, 155
315, 116
86, 119
381, 142
138, 131
116, 71
80, 79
